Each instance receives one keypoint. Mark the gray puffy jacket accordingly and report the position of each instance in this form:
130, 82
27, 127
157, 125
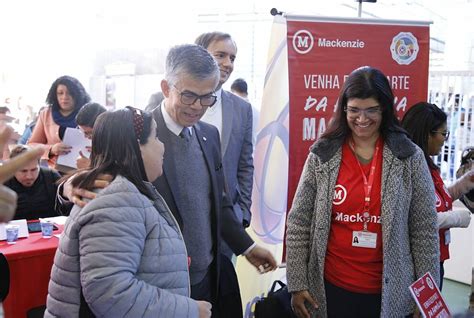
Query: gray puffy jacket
128, 258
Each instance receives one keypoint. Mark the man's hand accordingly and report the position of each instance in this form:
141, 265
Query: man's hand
7, 170
82, 162
262, 259
298, 303
80, 196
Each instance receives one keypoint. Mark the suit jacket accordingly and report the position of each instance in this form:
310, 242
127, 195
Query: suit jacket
224, 223
237, 150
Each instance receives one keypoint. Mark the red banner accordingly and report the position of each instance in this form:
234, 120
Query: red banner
321, 54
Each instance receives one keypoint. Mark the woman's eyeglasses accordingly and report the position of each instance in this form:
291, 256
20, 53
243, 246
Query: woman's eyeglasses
354, 112
445, 134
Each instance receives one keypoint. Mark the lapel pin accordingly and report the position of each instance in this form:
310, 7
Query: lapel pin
204, 138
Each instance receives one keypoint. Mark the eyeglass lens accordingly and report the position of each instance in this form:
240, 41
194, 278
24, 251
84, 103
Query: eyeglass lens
205, 100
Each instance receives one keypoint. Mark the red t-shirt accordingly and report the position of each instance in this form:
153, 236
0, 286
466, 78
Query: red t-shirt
444, 203
356, 269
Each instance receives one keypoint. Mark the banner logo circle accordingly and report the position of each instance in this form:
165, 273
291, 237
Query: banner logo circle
303, 41
404, 48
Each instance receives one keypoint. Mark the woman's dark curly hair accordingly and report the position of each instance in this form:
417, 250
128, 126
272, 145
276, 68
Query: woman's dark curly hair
75, 88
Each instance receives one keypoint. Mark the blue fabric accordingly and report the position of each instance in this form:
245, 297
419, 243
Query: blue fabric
26, 135
65, 121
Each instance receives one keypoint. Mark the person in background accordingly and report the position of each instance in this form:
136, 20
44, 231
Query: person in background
427, 126
232, 116
239, 87
29, 128
154, 101
350, 253
36, 188
85, 119
6, 119
123, 255
65, 98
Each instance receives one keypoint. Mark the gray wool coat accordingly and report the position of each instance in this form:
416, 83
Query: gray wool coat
408, 217
127, 255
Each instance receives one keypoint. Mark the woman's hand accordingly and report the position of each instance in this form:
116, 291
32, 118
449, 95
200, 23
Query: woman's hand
204, 309
417, 313
298, 303
60, 149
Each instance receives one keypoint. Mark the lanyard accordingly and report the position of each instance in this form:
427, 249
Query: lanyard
368, 183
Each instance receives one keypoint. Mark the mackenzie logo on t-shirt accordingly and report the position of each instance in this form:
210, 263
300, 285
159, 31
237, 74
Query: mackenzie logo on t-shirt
340, 194
353, 218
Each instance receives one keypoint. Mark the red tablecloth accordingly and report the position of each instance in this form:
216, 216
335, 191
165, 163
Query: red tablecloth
30, 261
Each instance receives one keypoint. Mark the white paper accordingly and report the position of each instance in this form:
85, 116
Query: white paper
22, 232
75, 138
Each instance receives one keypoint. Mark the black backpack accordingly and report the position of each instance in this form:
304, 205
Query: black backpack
277, 304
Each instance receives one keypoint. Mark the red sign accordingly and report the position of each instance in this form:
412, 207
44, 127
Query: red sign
323, 52
428, 298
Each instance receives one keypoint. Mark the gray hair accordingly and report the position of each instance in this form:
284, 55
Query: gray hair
190, 60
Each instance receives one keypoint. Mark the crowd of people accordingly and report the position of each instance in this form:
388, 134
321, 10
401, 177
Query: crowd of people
159, 204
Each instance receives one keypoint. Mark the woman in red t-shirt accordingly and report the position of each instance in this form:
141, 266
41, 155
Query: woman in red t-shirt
427, 124
362, 226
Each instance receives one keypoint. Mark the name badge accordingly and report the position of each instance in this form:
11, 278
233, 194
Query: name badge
447, 237
364, 239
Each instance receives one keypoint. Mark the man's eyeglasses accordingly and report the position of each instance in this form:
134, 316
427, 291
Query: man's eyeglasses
189, 98
445, 134
87, 133
356, 112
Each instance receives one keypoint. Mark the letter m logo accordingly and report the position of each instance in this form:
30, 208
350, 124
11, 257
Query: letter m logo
303, 41
340, 194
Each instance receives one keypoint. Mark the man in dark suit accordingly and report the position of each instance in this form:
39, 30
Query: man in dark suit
193, 180
233, 118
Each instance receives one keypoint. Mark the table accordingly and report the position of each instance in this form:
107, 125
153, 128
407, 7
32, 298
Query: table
30, 261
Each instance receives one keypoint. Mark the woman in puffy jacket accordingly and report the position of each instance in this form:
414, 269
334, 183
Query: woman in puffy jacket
122, 255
